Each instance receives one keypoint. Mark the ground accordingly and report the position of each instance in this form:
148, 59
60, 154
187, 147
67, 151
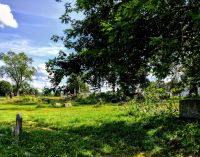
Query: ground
109, 130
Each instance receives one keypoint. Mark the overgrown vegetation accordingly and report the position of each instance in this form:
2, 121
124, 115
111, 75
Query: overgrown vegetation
133, 129
118, 44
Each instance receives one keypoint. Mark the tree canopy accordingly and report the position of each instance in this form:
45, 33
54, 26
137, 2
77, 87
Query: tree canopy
121, 42
18, 68
5, 88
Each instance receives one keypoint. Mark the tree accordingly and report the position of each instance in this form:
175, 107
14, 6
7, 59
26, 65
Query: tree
5, 88
18, 68
26, 89
166, 34
76, 85
191, 75
95, 55
121, 42
47, 91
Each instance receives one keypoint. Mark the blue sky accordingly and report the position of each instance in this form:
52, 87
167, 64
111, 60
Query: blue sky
27, 27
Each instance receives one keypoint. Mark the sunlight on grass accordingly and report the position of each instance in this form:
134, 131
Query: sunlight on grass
106, 130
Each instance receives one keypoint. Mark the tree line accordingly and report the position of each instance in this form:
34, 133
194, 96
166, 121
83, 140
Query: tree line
18, 68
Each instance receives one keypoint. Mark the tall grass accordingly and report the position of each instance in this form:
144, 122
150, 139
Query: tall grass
131, 129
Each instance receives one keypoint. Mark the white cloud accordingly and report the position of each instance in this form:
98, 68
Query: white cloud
41, 79
40, 54
6, 17
42, 74
40, 85
41, 68
28, 48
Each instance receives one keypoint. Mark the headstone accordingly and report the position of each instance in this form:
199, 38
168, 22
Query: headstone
189, 108
58, 105
67, 104
18, 128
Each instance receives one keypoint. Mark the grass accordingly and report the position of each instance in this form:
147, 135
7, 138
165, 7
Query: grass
97, 130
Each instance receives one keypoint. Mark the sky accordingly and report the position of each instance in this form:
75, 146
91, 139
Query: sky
27, 26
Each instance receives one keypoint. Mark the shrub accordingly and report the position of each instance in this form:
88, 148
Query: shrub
29, 99
5, 88
155, 93
108, 97
91, 99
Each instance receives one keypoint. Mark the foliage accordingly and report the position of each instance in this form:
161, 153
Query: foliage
108, 97
176, 87
121, 41
76, 85
47, 91
18, 68
26, 99
5, 88
191, 75
156, 92
26, 89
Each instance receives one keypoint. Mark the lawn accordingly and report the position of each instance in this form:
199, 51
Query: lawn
97, 130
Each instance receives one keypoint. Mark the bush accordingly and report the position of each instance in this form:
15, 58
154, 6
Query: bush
108, 97
29, 99
87, 100
5, 88
155, 93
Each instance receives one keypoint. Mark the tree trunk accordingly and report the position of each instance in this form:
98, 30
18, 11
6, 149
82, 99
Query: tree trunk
79, 89
113, 87
75, 93
16, 91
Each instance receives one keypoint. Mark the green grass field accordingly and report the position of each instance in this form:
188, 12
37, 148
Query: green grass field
106, 130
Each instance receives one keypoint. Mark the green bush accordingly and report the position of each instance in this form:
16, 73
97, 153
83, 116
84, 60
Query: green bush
108, 97
155, 93
87, 100
5, 88
29, 99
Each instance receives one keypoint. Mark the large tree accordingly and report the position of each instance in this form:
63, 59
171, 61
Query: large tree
122, 41
18, 68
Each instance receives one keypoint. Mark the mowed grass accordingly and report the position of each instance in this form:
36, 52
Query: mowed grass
97, 130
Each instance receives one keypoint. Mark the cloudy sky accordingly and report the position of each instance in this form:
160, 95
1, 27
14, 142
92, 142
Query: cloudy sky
27, 26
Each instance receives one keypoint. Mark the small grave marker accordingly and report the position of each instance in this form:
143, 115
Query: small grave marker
18, 128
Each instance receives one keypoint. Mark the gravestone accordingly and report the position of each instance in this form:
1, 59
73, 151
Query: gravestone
18, 128
189, 108
58, 105
67, 104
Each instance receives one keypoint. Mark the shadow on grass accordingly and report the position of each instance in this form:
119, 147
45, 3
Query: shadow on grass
25, 103
156, 136
17, 109
22, 106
